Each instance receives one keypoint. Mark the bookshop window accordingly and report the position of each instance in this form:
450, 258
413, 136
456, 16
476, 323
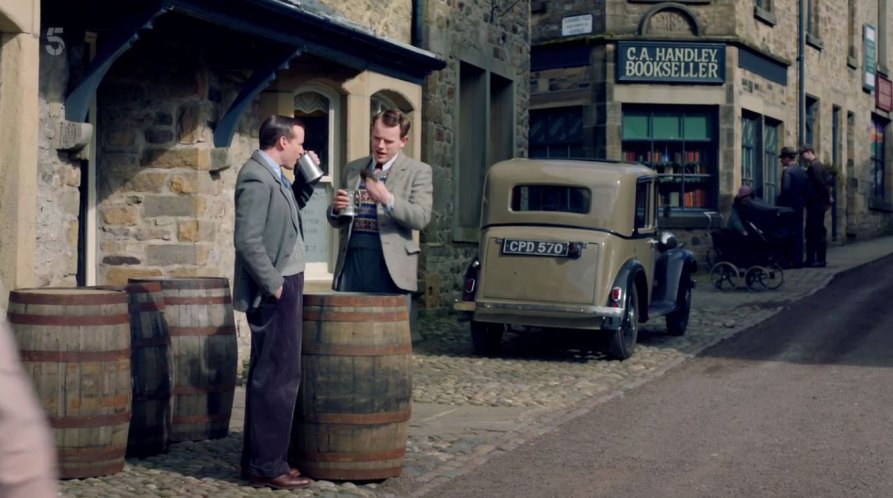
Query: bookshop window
556, 132
759, 155
680, 144
878, 154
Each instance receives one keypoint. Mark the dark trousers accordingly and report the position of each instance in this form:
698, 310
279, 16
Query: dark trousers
796, 249
816, 245
274, 375
365, 269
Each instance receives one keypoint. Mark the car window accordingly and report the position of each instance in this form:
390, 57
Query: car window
551, 198
644, 209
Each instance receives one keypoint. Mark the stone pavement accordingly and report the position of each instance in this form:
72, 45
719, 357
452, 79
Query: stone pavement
468, 409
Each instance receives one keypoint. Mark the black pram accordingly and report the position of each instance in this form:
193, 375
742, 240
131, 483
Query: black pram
758, 256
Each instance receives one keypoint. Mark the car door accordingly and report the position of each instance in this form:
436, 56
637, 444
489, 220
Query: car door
646, 236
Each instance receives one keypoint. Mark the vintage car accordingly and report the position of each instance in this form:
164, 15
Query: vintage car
575, 245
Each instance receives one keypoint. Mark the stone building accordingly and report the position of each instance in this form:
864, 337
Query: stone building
708, 91
136, 117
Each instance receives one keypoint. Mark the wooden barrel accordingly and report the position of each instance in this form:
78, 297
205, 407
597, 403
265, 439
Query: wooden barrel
150, 366
355, 399
75, 344
199, 313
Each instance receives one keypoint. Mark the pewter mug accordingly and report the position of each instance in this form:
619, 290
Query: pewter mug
353, 197
309, 168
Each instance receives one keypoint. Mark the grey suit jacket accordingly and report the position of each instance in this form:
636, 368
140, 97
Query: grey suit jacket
266, 229
410, 182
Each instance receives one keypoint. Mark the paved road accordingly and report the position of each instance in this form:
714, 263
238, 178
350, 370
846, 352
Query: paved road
798, 406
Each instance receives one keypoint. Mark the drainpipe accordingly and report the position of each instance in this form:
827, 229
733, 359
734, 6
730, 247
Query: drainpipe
418, 17
801, 73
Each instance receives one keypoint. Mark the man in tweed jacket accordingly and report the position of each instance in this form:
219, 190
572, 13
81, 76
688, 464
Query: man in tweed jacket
378, 252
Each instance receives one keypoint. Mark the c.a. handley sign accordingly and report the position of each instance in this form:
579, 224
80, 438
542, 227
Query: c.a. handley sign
670, 62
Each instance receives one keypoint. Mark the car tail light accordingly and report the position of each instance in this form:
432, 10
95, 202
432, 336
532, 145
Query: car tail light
469, 285
616, 295
471, 279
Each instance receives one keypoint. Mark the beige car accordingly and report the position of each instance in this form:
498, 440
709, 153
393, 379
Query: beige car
574, 244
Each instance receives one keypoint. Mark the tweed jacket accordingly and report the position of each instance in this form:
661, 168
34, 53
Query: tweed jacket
267, 228
410, 182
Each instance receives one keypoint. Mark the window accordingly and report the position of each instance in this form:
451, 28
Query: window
812, 117
762, 10
851, 33
878, 149
759, 154
485, 136
882, 35
551, 198
835, 136
556, 132
679, 142
770, 161
812, 22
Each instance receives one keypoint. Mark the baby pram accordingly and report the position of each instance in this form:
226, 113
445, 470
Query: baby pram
755, 259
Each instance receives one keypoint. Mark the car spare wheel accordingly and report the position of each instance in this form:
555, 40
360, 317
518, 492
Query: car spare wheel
486, 337
623, 340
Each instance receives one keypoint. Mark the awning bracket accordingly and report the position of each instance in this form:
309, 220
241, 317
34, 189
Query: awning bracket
264, 74
119, 41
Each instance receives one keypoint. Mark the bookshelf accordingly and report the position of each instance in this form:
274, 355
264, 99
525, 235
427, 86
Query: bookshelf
687, 173
679, 142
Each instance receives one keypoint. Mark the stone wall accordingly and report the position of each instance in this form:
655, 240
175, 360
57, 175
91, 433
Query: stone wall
59, 179
388, 18
457, 31
164, 195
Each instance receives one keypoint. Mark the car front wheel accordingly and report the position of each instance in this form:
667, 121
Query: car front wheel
677, 321
623, 340
486, 337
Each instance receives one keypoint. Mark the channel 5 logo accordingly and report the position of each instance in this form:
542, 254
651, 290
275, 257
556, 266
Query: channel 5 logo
55, 43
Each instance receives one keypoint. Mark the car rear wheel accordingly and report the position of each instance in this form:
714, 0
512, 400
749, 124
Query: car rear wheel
677, 321
623, 340
486, 337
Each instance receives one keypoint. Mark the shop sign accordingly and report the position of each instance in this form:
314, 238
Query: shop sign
869, 47
884, 94
576, 25
670, 62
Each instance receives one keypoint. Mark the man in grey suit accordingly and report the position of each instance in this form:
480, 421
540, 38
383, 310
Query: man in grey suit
378, 252
268, 286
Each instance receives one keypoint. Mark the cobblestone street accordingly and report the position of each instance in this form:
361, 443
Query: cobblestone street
468, 409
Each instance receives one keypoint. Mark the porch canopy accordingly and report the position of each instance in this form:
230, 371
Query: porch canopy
288, 28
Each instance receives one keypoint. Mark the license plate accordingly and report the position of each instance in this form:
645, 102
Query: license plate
517, 247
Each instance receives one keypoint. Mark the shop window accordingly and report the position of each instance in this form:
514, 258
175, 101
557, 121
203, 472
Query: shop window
878, 156
759, 155
556, 132
680, 144
485, 136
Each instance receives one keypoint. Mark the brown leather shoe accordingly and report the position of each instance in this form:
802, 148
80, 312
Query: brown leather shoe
292, 472
285, 481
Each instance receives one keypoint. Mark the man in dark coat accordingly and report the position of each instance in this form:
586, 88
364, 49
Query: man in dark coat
820, 200
794, 193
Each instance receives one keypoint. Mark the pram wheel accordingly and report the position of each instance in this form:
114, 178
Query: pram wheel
724, 276
773, 276
764, 277
754, 277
